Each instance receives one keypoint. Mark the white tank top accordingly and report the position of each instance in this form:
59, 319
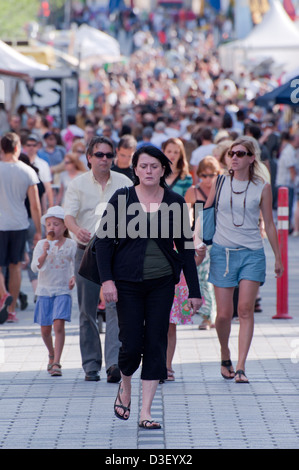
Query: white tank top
248, 235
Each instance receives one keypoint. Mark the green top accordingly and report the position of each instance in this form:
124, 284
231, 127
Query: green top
180, 186
155, 262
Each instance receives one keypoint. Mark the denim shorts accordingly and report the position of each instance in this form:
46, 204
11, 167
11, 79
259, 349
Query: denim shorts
48, 309
228, 266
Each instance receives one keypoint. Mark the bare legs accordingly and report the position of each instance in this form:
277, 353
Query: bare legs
3, 290
14, 284
125, 396
224, 298
149, 388
171, 346
46, 332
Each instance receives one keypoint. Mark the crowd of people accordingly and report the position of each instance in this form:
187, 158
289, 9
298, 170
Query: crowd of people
165, 125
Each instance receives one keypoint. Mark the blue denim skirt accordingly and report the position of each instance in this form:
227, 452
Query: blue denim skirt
48, 309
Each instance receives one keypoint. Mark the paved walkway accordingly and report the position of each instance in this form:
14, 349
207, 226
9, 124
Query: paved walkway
199, 410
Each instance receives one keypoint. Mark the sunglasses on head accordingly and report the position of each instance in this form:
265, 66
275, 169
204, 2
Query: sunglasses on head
239, 153
102, 154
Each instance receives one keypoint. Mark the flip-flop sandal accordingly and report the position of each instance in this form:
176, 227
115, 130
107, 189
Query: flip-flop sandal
56, 370
240, 372
170, 375
123, 407
227, 364
149, 424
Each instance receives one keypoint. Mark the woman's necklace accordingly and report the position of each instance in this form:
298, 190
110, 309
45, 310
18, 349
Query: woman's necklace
231, 201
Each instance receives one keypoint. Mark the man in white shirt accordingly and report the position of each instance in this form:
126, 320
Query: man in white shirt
17, 180
85, 201
31, 147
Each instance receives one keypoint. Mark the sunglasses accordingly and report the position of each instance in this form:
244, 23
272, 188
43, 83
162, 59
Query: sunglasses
239, 153
102, 154
203, 175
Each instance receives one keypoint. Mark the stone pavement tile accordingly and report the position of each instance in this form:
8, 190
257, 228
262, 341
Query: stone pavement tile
200, 410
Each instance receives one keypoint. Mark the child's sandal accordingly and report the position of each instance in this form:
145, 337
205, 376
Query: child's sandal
49, 366
56, 370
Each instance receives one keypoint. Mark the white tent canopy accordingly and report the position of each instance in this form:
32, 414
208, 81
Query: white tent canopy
276, 38
92, 45
14, 61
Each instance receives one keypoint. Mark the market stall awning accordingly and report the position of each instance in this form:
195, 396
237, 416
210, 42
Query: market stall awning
288, 93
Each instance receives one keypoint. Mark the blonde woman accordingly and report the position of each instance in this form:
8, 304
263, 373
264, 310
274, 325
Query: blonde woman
220, 152
79, 149
207, 171
73, 167
237, 254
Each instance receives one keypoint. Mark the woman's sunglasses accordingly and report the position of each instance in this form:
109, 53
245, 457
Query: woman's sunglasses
239, 153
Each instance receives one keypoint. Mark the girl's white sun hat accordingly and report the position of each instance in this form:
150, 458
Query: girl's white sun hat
55, 211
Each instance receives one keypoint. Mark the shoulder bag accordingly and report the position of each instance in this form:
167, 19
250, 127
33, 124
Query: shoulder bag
88, 267
209, 214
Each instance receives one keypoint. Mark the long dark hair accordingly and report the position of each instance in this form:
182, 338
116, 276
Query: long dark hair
182, 163
152, 151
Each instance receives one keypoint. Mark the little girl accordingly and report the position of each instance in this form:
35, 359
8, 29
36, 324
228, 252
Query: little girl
53, 259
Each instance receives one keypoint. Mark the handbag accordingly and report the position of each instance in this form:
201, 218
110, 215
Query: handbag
88, 266
209, 214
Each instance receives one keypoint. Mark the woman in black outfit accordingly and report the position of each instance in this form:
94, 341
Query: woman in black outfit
155, 244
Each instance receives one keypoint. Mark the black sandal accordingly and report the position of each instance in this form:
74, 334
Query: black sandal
123, 407
227, 364
240, 372
149, 424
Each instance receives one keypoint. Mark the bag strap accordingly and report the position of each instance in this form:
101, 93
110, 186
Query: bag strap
219, 184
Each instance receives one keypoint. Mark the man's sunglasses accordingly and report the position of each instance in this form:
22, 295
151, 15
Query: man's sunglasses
102, 154
239, 153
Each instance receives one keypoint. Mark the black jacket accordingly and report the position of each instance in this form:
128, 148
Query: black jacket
168, 227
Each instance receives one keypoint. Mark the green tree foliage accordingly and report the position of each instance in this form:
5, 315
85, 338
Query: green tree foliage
15, 14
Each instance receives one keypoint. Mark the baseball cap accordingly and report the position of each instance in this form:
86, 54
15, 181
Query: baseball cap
48, 134
33, 137
55, 211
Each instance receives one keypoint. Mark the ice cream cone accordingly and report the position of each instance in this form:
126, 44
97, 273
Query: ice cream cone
50, 235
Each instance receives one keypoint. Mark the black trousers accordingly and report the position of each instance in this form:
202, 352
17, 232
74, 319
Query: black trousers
143, 310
